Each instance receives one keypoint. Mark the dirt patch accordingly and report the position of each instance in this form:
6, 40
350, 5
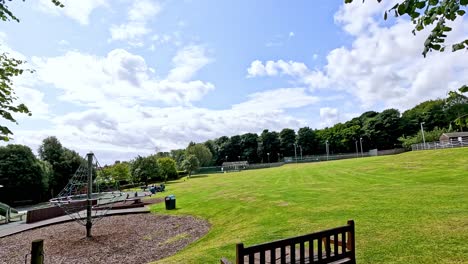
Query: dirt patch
282, 203
138, 238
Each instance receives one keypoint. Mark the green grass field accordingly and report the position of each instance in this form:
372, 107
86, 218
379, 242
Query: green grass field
408, 208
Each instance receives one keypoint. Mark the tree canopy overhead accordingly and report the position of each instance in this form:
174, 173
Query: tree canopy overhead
10, 68
433, 14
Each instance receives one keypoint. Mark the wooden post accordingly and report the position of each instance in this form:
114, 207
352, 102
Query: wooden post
89, 224
37, 251
239, 253
352, 236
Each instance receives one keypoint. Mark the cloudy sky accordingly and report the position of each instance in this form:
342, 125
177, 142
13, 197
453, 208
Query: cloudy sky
123, 77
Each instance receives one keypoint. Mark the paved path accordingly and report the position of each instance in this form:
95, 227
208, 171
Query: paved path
20, 226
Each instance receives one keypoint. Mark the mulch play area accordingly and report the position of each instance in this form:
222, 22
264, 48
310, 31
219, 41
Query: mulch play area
138, 238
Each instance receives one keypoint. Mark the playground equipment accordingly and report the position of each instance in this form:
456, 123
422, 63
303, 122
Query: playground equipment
8, 213
79, 201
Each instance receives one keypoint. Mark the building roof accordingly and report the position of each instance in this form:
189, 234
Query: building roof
456, 134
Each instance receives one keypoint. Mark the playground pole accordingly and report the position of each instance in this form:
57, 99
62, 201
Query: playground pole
89, 224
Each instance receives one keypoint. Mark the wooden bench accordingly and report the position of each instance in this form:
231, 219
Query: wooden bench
334, 245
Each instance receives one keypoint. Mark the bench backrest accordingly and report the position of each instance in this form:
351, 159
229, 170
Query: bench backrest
321, 247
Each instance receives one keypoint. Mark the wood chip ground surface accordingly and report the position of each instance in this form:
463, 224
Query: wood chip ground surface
138, 238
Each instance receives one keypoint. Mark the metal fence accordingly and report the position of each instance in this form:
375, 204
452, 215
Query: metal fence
305, 159
217, 169
452, 143
370, 153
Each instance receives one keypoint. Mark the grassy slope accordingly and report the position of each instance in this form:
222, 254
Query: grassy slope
408, 208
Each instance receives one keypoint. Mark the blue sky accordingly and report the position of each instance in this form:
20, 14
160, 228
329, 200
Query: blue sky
124, 77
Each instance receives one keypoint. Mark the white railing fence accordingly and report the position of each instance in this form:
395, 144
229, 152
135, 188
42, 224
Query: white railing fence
452, 143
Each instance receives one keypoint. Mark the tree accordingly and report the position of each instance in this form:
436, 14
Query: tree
307, 139
144, 169
456, 107
221, 146
167, 168
383, 129
121, 171
425, 13
178, 155
249, 146
202, 153
429, 136
210, 144
190, 164
23, 176
232, 148
64, 163
268, 146
10, 68
430, 112
287, 138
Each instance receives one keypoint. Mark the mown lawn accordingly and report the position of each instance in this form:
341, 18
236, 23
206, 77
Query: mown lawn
408, 208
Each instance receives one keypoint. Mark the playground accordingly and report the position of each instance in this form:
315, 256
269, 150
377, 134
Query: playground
133, 238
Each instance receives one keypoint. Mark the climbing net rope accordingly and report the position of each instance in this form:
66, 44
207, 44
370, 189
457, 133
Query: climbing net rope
74, 198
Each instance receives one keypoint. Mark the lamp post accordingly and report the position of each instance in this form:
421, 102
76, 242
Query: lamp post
268, 157
300, 147
238, 157
422, 132
357, 151
326, 147
295, 153
226, 158
360, 142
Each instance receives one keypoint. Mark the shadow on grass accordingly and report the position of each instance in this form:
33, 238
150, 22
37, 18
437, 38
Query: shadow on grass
199, 176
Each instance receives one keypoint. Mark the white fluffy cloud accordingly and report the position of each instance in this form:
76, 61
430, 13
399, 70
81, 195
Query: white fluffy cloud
77, 10
187, 62
137, 22
328, 116
383, 66
277, 99
274, 68
118, 132
90, 80
122, 119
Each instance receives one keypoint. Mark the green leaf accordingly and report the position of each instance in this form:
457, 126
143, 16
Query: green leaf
464, 89
457, 46
421, 4
461, 12
446, 29
414, 15
401, 9
463, 2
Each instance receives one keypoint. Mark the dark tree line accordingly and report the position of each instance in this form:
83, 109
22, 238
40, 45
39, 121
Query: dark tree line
28, 178
381, 130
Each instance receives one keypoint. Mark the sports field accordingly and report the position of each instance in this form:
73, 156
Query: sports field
408, 208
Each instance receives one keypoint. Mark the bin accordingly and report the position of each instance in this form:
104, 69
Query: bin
170, 202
